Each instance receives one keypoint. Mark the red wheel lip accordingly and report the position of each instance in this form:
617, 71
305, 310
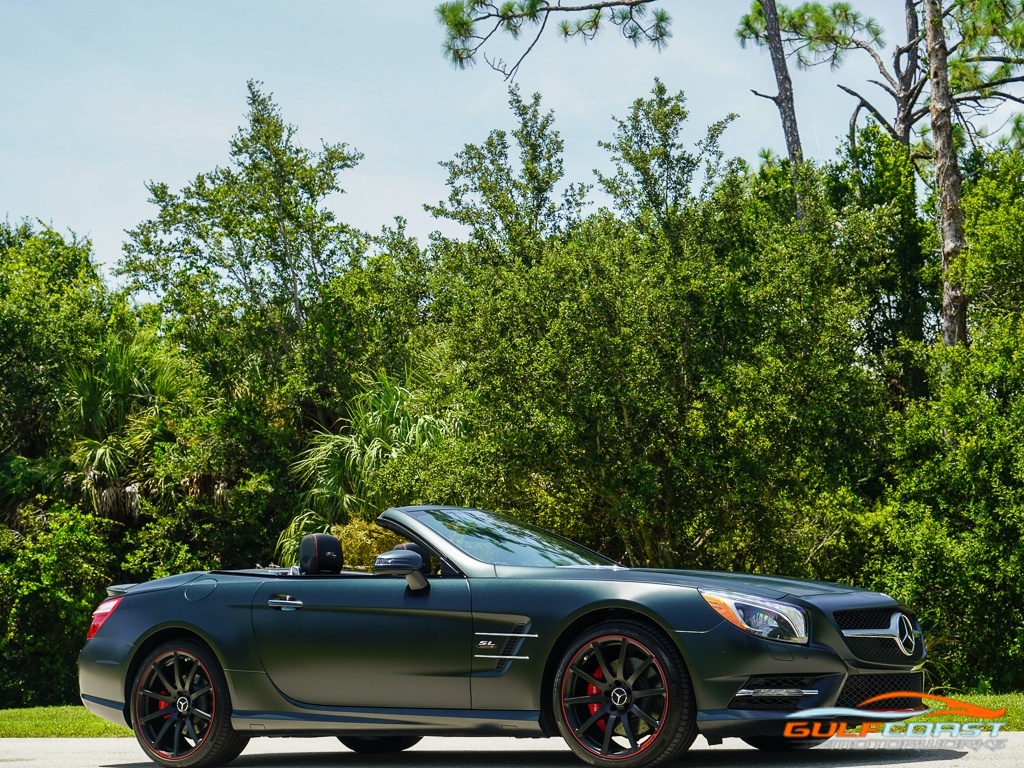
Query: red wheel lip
661, 671
213, 699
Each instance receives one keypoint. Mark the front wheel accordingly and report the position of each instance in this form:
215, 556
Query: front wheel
378, 745
180, 710
622, 696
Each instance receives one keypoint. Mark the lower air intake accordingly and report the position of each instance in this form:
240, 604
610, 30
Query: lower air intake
860, 688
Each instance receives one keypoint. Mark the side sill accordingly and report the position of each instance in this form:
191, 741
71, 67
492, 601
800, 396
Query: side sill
381, 722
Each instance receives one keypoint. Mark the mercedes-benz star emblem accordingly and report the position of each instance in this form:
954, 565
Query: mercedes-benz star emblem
905, 635
182, 705
619, 697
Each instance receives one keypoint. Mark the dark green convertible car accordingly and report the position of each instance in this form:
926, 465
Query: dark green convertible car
481, 625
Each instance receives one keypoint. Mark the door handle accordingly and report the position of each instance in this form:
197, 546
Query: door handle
285, 603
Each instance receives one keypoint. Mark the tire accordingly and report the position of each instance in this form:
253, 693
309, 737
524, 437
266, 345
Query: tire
622, 696
378, 745
781, 743
180, 709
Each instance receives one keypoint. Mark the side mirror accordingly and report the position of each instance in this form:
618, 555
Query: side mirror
402, 562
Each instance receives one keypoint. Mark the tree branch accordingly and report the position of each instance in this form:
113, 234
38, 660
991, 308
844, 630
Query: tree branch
871, 108
548, 8
967, 98
878, 61
511, 73
992, 59
997, 83
853, 122
884, 87
915, 92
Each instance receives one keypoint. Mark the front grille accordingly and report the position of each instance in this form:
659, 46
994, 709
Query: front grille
881, 649
860, 688
765, 702
864, 618
771, 702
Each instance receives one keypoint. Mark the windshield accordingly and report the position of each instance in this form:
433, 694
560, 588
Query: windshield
494, 538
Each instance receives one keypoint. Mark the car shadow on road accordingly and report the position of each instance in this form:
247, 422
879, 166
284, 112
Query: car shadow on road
832, 758
716, 758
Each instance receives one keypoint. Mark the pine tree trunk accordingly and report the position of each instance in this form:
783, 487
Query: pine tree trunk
947, 177
784, 101
906, 71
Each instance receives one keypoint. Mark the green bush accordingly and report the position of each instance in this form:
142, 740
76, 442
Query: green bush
953, 526
52, 576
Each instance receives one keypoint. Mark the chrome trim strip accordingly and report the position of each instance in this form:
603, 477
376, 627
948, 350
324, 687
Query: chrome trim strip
900, 630
882, 634
501, 634
495, 656
771, 692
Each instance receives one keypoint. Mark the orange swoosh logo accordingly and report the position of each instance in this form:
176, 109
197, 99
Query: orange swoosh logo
953, 706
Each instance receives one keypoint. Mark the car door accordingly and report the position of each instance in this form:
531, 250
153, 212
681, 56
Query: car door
366, 641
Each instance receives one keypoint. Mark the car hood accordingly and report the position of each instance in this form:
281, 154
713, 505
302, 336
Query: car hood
765, 586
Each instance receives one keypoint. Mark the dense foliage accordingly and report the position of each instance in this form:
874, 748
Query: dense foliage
692, 377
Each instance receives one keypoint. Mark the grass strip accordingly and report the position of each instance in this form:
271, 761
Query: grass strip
56, 722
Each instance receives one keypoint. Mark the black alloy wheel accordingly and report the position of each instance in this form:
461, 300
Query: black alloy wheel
379, 745
180, 710
622, 696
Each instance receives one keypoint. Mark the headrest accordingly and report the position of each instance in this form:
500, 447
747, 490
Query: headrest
319, 553
420, 550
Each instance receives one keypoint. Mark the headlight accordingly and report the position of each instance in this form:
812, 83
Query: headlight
759, 616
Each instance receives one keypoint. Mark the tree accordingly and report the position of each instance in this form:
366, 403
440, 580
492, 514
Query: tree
990, 271
651, 401
53, 306
119, 411
366, 319
815, 34
986, 56
54, 312
511, 207
254, 240
341, 470
654, 173
763, 26
966, 80
949, 536
52, 575
462, 21
464, 39
947, 176
875, 171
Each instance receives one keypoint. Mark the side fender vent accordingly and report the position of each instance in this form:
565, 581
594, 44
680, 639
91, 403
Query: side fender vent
511, 644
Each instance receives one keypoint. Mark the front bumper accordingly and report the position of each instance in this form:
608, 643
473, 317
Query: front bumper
726, 660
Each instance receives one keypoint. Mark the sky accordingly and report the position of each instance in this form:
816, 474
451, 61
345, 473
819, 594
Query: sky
98, 98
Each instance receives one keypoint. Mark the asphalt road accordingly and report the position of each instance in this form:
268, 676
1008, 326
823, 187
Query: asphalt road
490, 753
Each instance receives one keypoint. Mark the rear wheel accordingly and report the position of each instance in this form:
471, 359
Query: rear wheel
377, 745
622, 696
180, 710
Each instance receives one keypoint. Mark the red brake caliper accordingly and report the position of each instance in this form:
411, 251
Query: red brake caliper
592, 690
